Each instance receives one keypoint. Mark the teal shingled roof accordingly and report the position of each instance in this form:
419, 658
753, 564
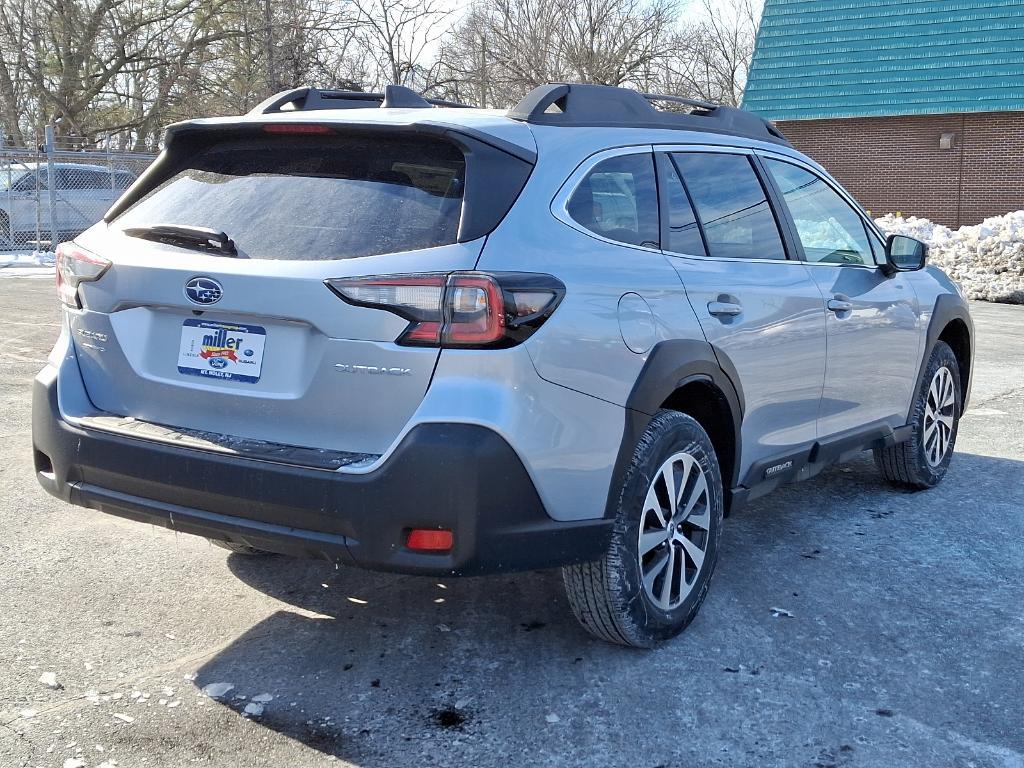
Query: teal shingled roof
844, 58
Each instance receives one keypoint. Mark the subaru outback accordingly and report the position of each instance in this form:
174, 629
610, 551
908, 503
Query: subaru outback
414, 337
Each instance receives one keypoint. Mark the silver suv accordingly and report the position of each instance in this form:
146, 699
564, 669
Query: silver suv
75, 200
448, 341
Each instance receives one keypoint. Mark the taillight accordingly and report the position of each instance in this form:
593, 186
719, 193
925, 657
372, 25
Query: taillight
459, 309
75, 266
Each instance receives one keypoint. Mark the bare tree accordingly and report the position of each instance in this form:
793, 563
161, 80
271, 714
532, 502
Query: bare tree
503, 48
117, 71
395, 35
712, 57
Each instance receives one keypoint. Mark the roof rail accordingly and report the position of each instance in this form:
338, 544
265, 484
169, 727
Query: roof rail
307, 98
576, 104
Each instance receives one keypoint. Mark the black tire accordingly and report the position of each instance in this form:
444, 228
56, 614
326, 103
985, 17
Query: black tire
239, 549
906, 464
608, 596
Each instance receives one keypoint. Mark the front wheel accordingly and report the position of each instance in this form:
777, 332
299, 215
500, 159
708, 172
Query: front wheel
652, 580
921, 461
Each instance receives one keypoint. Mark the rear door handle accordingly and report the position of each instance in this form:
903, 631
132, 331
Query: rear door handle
839, 305
724, 309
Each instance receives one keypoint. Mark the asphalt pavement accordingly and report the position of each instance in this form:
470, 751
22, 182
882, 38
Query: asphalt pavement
847, 625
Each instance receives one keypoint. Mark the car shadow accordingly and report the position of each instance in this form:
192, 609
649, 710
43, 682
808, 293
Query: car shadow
385, 670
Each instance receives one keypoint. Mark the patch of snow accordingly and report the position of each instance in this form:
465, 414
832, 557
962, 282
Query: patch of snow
49, 679
28, 714
74, 762
777, 612
552, 718
253, 709
263, 698
173, 704
217, 690
121, 716
986, 259
26, 263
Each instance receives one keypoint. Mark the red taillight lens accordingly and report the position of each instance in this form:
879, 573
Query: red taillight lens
460, 309
75, 266
476, 311
430, 540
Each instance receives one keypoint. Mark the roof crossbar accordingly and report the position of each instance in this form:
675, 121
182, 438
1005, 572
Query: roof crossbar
704, 106
583, 105
307, 98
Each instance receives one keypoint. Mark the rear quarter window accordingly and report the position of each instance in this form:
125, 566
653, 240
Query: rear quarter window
618, 199
315, 198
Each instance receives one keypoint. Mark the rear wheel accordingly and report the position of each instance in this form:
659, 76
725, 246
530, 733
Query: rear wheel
239, 549
921, 462
655, 574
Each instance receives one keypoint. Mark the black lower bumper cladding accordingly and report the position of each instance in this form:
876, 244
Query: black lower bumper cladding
461, 477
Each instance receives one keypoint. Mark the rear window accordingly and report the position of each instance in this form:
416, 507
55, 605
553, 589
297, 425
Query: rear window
315, 198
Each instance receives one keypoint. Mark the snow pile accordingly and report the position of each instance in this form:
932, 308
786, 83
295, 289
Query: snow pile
987, 259
27, 263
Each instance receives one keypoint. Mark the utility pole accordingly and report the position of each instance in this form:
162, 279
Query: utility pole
483, 70
268, 43
51, 186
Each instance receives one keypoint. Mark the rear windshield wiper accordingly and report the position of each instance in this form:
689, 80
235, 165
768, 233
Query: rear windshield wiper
196, 238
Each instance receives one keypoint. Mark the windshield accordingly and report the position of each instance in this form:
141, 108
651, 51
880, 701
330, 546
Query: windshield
315, 197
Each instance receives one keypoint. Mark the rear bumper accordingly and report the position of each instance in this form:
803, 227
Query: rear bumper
462, 477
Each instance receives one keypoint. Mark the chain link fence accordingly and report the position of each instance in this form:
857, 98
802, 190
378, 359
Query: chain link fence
47, 196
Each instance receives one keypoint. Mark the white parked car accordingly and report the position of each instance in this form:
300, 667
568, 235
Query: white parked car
81, 195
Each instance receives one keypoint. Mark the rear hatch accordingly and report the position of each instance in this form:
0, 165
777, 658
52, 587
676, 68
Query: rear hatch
248, 341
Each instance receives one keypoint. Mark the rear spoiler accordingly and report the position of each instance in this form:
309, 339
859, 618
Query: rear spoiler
497, 170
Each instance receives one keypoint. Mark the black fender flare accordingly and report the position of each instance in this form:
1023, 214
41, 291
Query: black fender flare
948, 307
671, 365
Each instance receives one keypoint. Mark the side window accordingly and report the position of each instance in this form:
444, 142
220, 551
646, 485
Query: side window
682, 232
82, 178
27, 183
737, 219
618, 199
877, 247
67, 178
830, 230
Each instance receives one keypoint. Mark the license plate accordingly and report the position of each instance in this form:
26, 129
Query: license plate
229, 351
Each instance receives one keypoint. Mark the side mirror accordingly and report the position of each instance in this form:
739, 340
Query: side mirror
903, 254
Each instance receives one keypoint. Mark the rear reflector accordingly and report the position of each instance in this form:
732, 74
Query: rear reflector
429, 540
304, 128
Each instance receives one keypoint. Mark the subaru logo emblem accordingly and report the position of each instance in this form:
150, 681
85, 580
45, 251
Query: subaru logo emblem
203, 290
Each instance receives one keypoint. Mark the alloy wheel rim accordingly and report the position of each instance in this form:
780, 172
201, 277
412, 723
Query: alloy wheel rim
939, 412
674, 531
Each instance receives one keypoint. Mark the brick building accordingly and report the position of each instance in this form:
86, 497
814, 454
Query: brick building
915, 106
